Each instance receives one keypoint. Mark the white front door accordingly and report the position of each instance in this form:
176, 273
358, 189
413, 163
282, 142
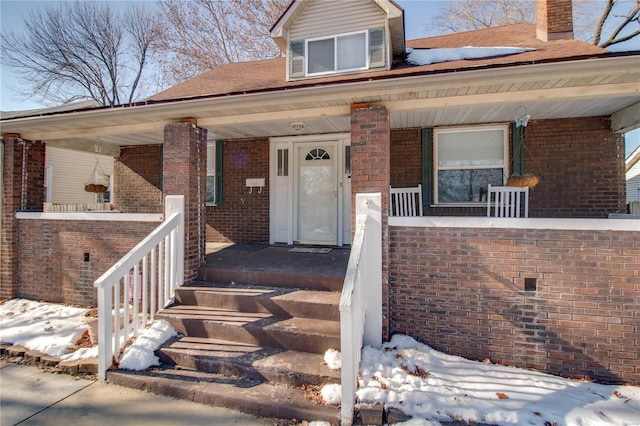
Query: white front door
310, 195
317, 193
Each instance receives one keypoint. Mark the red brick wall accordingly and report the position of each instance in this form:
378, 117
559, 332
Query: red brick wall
242, 217
580, 162
406, 157
184, 173
462, 292
138, 179
370, 172
51, 257
23, 160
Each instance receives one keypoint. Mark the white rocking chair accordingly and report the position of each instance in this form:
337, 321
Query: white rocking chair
406, 201
505, 201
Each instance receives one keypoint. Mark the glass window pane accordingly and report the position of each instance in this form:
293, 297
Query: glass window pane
455, 186
321, 57
477, 148
352, 51
211, 190
211, 160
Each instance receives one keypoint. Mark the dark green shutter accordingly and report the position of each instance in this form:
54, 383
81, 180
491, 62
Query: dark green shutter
219, 161
427, 166
517, 146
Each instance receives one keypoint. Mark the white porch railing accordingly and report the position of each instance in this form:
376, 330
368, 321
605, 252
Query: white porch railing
361, 300
134, 289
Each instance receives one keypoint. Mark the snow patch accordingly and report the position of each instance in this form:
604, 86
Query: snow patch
140, 355
331, 394
432, 56
333, 359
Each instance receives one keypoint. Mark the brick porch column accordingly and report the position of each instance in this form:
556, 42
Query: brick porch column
184, 173
370, 172
22, 190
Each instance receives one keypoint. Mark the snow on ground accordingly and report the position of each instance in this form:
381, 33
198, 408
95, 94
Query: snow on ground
426, 384
46, 327
55, 329
432, 56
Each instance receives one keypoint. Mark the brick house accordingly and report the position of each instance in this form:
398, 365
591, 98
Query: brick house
274, 151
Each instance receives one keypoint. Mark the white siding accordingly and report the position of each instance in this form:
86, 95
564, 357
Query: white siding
329, 17
71, 170
633, 183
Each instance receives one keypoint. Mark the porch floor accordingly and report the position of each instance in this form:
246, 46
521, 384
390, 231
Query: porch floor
277, 261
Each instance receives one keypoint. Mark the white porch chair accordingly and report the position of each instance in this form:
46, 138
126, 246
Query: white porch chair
505, 201
406, 201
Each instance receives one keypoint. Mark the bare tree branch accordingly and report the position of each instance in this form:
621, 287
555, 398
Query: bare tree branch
620, 18
80, 50
200, 35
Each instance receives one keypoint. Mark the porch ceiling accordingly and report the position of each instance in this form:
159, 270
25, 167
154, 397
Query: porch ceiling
561, 90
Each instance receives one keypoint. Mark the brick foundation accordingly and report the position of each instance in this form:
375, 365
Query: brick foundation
462, 291
60, 259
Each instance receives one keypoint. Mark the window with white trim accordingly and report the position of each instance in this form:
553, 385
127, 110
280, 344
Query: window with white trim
467, 160
214, 173
338, 53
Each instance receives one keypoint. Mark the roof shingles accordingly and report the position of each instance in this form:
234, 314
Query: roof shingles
269, 74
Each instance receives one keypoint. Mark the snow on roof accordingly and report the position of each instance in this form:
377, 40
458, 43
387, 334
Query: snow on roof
432, 56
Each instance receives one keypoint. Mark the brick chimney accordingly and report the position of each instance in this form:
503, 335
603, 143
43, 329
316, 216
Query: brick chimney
554, 20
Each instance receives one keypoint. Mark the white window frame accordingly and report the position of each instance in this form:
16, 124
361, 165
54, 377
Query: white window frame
335, 53
436, 168
211, 148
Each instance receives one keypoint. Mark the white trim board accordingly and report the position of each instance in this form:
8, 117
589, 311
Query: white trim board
93, 216
518, 223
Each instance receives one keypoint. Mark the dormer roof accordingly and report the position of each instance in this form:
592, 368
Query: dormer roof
393, 12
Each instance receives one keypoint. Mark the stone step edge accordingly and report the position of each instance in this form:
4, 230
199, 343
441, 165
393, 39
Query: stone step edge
273, 367
264, 400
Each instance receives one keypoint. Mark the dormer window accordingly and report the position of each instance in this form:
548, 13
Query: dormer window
339, 53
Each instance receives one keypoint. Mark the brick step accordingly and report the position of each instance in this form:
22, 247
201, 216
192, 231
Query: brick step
322, 305
272, 278
257, 328
258, 399
254, 362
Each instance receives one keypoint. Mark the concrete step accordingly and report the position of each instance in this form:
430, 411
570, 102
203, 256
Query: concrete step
258, 399
257, 328
254, 362
272, 278
323, 305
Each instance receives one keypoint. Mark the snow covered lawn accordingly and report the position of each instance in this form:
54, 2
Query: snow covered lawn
426, 384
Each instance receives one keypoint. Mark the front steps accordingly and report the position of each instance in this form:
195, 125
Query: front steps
257, 349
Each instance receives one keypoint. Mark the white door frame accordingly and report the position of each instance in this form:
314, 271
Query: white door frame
283, 206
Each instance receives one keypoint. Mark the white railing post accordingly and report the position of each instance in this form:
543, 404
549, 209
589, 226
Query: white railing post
125, 304
372, 267
360, 308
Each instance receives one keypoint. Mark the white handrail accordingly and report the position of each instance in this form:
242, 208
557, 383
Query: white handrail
139, 284
360, 307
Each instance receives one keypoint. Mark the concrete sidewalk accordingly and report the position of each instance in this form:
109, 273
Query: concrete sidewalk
29, 396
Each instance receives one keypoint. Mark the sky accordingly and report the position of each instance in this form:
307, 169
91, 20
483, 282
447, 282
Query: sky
428, 385
418, 15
